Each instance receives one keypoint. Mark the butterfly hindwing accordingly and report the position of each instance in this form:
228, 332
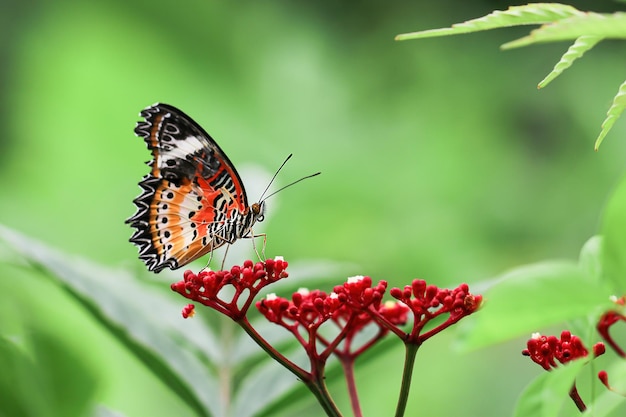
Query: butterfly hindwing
193, 200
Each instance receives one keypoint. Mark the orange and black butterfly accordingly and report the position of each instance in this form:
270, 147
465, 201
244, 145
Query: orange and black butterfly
193, 200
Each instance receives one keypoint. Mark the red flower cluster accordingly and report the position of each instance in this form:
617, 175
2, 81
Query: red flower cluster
189, 311
207, 287
428, 301
357, 294
309, 308
357, 304
351, 307
547, 350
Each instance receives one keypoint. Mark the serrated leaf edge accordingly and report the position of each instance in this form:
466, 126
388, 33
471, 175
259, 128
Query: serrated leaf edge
575, 51
530, 14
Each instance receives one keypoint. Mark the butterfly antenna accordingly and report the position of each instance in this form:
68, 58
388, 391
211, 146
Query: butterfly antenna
274, 177
289, 185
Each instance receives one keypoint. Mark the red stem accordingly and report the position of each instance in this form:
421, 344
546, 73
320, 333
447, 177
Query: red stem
451, 320
277, 356
331, 347
347, 362
573, 393
386, 324
313, 380
612, 343
381, 332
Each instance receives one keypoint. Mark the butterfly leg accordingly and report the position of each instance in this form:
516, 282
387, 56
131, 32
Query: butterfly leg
208, 262
219, 241
253, 237
225, 253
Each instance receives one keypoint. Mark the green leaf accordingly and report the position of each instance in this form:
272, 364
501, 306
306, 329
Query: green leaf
530, 14
102, 411
605, 401
559, 22
615, 111
532, 297
35, 380
614, 246
139, 316
276, 382
577, 50
545, 396
590, 259
177, 351
581, 24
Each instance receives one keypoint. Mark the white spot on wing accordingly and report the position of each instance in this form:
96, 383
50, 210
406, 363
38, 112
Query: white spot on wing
181, 149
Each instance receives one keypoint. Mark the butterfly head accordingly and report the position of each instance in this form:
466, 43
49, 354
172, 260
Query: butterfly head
258, 211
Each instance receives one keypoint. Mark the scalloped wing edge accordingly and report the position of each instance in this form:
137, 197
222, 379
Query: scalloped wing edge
140, 221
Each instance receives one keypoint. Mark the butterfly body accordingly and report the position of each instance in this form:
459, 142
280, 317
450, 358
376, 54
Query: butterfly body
193, 200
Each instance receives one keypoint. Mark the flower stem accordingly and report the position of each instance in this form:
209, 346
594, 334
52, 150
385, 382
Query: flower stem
269, 349
317, 386
573, 393
225, 369
348, 367
407, 373
313, 381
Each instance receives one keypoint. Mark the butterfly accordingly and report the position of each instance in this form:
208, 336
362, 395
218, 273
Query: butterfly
193, 200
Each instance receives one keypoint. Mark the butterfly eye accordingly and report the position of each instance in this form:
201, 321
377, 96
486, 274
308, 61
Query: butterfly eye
259, 211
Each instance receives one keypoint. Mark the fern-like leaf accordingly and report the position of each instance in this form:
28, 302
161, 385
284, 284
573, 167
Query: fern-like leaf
559, 22
584, 24
616, 109
577, 50
530, 14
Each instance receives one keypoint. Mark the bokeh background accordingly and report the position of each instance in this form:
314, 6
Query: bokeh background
439, 158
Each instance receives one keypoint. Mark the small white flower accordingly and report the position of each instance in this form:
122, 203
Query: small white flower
536, 336
279, 258
271, 296
303, 291
355, 279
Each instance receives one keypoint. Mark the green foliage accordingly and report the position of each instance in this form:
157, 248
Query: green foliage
32, 381
546, 395
614, 224
192, 360
535, 297
559, 22
543, 296
615, 111
580, 46
531, 14
436, 167
549, 293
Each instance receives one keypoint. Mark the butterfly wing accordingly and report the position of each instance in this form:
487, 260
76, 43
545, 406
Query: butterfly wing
190, 193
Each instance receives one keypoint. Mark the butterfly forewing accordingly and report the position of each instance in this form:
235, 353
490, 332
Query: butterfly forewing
193, 200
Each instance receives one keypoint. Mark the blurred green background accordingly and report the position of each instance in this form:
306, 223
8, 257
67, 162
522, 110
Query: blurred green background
439, 158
